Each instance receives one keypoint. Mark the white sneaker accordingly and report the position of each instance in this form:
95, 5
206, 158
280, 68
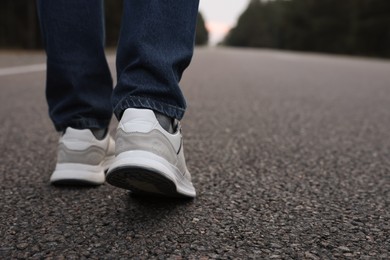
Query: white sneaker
82, 159
149, 160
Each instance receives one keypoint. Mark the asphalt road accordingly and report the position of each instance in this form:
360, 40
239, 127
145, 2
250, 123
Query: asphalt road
290, 155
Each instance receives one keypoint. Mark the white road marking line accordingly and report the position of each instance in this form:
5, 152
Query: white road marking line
34, 68
22, 69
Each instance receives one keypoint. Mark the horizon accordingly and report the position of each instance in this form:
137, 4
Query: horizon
220, 16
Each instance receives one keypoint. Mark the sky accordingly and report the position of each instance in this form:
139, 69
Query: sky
220, 16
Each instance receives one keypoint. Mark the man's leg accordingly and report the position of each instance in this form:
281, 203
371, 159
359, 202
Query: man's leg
155, 47
78, 88
78, 84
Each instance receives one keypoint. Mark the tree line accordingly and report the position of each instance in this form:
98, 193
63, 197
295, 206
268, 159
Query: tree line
356, 27
19, 26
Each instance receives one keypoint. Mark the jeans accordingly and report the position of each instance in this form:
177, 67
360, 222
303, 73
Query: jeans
155, 47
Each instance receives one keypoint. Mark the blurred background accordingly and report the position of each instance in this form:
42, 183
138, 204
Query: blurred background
353, 27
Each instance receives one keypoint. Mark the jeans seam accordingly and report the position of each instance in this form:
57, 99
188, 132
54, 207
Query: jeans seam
146, 102
83, 123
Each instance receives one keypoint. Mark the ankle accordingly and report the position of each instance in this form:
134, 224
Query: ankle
166, 122
99, 133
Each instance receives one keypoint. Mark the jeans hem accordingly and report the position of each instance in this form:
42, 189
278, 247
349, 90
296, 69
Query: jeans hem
148, 103
83, 123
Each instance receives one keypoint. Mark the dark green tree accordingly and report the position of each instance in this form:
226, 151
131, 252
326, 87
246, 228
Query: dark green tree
19, 26
202, 35
113, 18
349, 26
373, 28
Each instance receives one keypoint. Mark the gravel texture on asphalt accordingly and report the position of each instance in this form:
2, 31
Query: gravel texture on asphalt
289, 152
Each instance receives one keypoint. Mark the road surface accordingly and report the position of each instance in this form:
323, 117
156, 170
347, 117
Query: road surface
289, 152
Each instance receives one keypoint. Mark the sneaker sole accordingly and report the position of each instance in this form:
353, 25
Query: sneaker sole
71, 177
145, 173
73, 174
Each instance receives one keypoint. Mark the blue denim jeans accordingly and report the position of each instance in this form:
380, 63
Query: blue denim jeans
155, 46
